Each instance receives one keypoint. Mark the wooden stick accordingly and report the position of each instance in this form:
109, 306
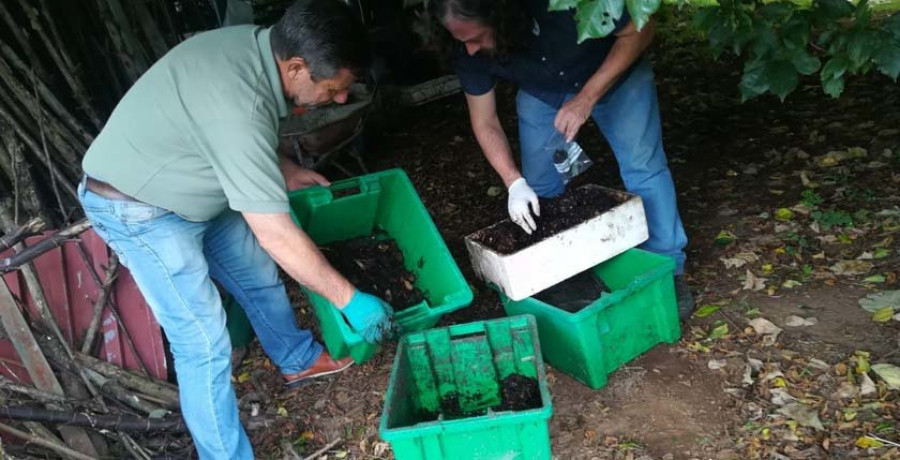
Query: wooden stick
40, 114
60, 110
60, 176
131, 64
34, 360
63, 63
32, 392
21, 39
56, 240
118, 393
99, 305
113, 308
164, 392
321, 451
66, 143
30, 228
62, 450
151, 30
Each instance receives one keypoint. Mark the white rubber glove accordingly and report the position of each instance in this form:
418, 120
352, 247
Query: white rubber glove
520, 196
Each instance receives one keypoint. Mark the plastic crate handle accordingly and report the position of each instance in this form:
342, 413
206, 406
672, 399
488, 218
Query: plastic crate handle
362, 185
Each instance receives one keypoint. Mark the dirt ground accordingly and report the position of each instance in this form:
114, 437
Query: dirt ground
736, 166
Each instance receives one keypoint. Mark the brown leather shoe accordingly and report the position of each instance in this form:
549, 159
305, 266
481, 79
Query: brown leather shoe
324, 365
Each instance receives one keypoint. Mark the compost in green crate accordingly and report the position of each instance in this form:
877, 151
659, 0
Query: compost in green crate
557, 215
517, 393
574, 293
374, 264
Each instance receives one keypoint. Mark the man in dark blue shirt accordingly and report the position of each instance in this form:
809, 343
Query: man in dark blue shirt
561, 84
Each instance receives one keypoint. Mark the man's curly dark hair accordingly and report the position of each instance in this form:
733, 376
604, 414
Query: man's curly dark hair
509, 19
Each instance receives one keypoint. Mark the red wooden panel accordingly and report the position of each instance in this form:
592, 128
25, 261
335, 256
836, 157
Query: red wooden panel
10, 366
71, 292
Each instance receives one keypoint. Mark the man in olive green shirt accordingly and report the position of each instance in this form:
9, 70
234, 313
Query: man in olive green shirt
185, 185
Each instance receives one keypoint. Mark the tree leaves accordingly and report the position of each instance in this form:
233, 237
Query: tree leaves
641, 10
596, 18
835, 9
562, 5
833, 75
887, 57
775, 38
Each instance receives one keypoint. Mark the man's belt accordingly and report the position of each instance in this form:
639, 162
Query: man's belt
105, 190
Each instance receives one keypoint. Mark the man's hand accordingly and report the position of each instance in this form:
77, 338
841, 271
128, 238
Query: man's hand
303, 178
521, 196
573, 114
369, 316
296, 177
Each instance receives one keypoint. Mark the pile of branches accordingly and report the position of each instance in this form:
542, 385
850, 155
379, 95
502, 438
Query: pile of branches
63, 67
79, 406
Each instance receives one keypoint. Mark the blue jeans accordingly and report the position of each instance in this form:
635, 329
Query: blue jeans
173, 261
629, 120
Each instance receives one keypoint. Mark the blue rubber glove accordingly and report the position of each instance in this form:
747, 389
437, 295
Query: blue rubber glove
369, 316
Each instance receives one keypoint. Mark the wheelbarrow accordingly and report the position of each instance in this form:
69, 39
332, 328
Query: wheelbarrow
325, 136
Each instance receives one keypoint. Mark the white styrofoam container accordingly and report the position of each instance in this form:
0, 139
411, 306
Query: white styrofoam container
564, 255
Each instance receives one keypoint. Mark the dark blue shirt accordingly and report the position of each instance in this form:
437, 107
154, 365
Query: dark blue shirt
553, 65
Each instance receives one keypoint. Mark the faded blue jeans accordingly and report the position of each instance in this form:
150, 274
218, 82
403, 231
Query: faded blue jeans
174, 262
628, 118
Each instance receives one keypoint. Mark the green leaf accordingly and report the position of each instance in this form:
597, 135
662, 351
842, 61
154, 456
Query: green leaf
888, 59
883, 315
832, 75
705, 17
892, 25
860, 46
784, 214
765, 41
835, 9
725, 238
783, 78
706, 310
719, 332
562, 5
641, 10
881, 253
720, 35
804, 63
795, 33
875, 279
776, 11
597, 18
754, 81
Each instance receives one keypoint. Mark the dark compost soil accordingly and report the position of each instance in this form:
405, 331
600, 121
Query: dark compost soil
557, 215
517, 393
574, 293
374, 264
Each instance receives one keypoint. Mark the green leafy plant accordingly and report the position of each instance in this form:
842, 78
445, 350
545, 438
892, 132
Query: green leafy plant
811, 199
832, 218
779, 41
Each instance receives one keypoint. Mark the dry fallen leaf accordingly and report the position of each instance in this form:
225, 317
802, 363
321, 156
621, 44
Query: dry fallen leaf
803, 414
754, 283
796, 321
851, 267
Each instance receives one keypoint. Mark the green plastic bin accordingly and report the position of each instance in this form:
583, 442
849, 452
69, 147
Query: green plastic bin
238, 325
388, 202
639, 312
468, 361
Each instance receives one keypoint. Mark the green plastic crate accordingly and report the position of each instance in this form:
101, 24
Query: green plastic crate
383, 201
240, 331
468, 360
639, 312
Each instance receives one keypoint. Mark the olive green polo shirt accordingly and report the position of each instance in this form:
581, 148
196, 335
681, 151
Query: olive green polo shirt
197, 133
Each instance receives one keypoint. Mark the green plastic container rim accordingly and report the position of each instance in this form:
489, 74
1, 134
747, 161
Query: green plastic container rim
666, 266
493, 419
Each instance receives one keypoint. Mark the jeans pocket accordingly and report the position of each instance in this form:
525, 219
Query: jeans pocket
136, 213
